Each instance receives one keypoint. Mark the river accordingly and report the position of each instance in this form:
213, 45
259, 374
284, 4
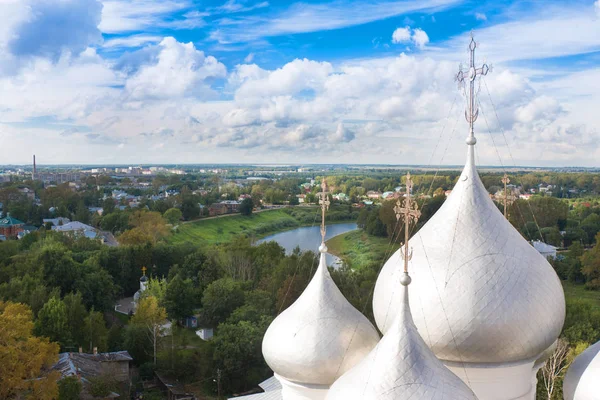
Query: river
309, 238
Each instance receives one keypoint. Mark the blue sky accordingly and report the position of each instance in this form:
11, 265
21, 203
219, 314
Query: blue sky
344, 81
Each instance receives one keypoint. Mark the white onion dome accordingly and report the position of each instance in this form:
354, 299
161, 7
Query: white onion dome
483, 294
320, 336
582, 380
401, 367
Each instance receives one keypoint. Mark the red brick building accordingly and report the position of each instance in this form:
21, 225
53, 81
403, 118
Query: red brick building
10, 227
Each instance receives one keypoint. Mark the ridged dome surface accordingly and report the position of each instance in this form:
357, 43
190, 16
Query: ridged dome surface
483, 294
582, 381
401, 367
320, 336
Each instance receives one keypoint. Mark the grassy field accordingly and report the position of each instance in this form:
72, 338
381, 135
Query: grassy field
573, 291
257, 225
360, 249
219, 230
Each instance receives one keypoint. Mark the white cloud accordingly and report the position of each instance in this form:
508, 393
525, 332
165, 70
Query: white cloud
597, 7
542, 109
120, 16
248, 59
405, 35
131, 41
480, 16
47, 28
180, 70
401, 35
302, 17
420, 38
551, 32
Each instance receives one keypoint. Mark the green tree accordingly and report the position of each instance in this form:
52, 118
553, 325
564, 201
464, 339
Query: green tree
173, 215
180, 298
108, 206
52, 322
591, 266
95, 332
76, 314
246, 206
156, 287
82, 214
150, 317
69, 388
238, 354
220, 299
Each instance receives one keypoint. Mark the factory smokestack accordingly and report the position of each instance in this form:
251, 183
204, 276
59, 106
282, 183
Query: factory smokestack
34, 174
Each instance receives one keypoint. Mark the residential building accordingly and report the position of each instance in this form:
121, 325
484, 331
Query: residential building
10, 227
86, 367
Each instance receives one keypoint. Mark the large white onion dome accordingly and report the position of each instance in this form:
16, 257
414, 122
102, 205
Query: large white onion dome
401, 367
483, 294
582, 381
320, 336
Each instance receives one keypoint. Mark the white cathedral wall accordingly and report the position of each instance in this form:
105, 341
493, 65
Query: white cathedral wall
295, 391
498, 382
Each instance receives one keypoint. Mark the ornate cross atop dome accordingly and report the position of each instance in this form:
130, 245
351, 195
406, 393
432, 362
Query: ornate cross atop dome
324, 202
409, 213
471, 74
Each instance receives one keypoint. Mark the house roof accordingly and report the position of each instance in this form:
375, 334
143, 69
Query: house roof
73, 226
9, 221
87, 365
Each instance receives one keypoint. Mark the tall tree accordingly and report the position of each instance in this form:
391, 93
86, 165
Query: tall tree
150, 317
247, 206
26, 359
52, 322
591, 265
173, 215
554, 367
180, 298
95, 332
76, 314
220, 299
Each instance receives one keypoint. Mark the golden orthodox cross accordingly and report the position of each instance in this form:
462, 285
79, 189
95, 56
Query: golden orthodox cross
324, 202
409, 213
144, 270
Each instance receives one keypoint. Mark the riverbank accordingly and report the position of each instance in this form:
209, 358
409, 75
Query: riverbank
358, 249
256, 226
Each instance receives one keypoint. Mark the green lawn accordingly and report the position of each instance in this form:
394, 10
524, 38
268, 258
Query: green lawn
360, 249
219, 230
573, 291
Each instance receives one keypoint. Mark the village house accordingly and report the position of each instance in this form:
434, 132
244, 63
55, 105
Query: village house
10, 227
371, 194
223, 207
87, 367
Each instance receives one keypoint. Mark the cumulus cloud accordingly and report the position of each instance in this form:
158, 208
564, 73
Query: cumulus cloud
597, 7
401, 35
542, 109
405, 35
420, 38
480, 16
55, 26
178, 70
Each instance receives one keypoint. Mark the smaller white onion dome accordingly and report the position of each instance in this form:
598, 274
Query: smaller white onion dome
401, 367
320, 336
582, 381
